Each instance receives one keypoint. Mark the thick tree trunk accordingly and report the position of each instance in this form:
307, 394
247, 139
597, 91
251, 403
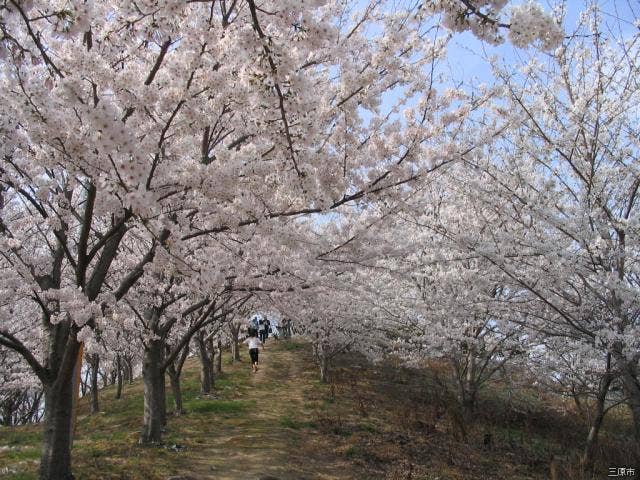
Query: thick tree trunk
206, 370
155, 409
94, 362
56, 445
219, 358
119, 379
55, 463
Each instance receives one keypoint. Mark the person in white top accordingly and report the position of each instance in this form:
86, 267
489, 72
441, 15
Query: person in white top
253, 342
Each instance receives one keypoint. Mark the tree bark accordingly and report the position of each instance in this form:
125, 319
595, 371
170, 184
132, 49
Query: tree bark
211, 347
84, 383
176, 390
8, 409
469, 385
129, 364
588, 456
94, 362
323, 363
155, 409
235, 341
206, 370
219, 358
32, 415
55, 463
632, 390
631, 386
119, 379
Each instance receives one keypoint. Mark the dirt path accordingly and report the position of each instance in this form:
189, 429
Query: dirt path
270, 440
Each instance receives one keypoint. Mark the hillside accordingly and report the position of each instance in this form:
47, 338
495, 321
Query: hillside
281, 423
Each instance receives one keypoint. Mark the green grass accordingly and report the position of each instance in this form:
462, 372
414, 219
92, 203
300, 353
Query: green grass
288, 422
20, 476
369, 427
219, 406
293, 346
22, 454
13, 436
353, 451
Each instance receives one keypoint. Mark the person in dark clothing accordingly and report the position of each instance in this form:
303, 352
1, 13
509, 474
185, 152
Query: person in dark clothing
263, 329
253, 342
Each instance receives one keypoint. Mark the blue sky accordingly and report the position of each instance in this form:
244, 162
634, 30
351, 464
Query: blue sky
465, 59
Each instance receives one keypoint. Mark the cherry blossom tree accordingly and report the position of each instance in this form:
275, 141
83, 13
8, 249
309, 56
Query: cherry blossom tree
185, 121
556, 195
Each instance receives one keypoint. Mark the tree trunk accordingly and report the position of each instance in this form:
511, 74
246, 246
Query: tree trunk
155, 409
206, 372
130, 370
119, 379
32, 415
219, 358
632, 391
55, 463
323, 369
235, 351
323, 363
8, 409
84, 383
127, 369
56, 445
211, 348
94, 362
235, 341
592, 439
467, 381
176, 390
631, 385
469, 400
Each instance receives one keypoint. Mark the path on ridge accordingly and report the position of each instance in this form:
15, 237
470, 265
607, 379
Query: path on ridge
269, 439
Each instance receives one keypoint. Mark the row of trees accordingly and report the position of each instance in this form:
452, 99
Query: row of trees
168, 167
524, 252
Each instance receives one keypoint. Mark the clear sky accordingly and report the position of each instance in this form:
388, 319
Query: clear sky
466, 61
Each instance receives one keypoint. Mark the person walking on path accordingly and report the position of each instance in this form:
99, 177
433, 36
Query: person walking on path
254, 343
267, 329
253, 323
263, 329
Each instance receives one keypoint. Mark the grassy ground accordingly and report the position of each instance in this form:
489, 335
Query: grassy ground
369, 422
